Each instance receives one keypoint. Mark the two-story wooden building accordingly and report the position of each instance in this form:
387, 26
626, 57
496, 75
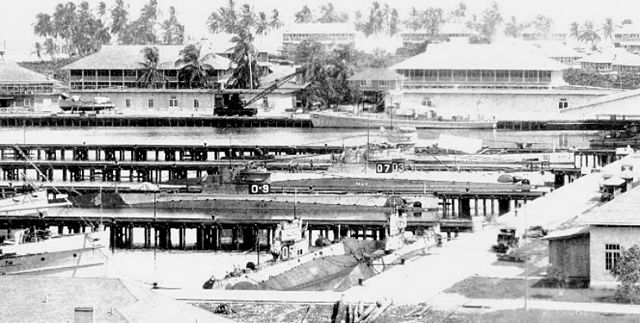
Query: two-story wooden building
627, 36
329, 34
614, 60
456, 32
376, 84
23, 90
116, 71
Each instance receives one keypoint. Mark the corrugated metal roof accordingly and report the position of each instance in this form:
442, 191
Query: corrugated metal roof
479, 57
621, 211
129, 57
376, 74
567, 233
627, 60
605, 57
10, 72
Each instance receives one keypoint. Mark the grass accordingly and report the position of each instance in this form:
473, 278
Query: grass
532, 316
513, 288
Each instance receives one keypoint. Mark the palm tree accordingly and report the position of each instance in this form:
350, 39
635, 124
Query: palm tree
38, 50
588, 34
150, 72
194, 72
275, 21
607, 28
102, 8
246, 73
513, 28
574, 30
50, 48
118, 17
43, 26
225, 20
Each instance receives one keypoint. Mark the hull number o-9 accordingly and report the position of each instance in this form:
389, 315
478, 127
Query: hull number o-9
259, 188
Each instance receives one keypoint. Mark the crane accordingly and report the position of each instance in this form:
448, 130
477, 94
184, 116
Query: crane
232, 104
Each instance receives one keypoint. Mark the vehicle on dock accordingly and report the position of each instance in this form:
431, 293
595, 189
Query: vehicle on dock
75, 104
506, 240
611, 186
232, 105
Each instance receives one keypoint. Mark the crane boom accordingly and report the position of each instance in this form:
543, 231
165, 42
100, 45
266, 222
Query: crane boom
276, 84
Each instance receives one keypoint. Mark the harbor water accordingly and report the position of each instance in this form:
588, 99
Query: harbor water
278, 136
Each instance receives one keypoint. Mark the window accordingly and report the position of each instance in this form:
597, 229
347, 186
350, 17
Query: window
431, 75
27, 102
611, 255
502, 76
150, 103
563, 104
363, 82
127, 103
173, 101
516, 76
384, 83
444, 75
460, 75
531, 76
196, 103
488, 76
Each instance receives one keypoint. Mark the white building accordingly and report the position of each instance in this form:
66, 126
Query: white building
487, 82
114, 72
456, 32
627, 37
330, 35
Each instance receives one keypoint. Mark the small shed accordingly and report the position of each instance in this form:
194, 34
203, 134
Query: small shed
569, 252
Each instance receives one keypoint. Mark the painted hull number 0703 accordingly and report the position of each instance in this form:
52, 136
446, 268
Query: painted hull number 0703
259, 188
389, 167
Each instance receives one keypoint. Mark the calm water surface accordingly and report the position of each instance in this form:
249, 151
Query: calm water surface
274, 136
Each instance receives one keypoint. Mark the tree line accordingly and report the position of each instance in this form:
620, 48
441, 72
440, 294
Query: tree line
81, 30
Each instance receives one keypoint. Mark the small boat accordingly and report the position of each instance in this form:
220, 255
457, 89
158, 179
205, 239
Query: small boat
377, 120
34, 251
75, 104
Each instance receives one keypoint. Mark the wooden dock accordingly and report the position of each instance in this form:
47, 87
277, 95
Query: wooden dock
210, 121
120, 120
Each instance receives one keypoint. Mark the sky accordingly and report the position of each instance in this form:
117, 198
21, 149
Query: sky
16, 28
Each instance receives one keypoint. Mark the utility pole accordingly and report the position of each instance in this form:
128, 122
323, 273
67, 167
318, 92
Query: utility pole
366, 161
526, 255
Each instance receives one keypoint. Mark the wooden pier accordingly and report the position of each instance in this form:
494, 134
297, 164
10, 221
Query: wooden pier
167, 229
119, 120
548, 125
136, 152
122, 120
